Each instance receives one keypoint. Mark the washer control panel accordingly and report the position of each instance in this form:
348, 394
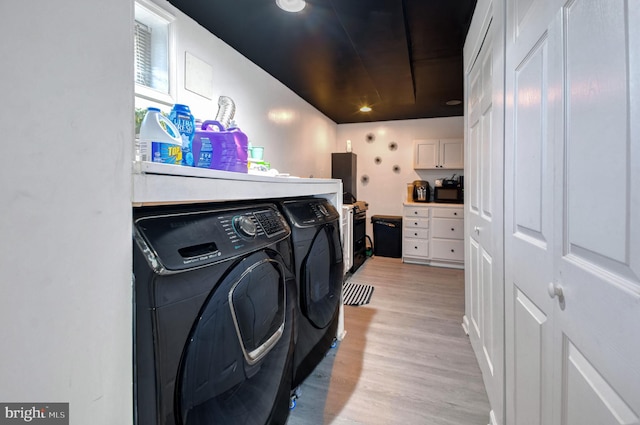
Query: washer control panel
182, 240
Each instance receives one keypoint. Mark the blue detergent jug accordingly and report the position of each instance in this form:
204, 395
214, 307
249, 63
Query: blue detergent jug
184, 121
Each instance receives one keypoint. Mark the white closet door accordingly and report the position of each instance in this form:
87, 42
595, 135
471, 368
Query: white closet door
529, 205
597, 213
572, 212
484, 319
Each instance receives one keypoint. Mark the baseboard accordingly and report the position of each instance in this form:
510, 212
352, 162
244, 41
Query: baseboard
465, 324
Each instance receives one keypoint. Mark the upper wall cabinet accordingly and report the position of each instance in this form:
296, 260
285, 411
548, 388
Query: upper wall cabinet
438, 153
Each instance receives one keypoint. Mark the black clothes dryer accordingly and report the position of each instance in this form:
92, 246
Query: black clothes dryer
315, 235
214, 316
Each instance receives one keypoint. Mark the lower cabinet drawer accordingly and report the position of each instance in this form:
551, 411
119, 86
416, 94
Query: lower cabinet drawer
416, 233
412, 223
447, 249
448, 228
415, 248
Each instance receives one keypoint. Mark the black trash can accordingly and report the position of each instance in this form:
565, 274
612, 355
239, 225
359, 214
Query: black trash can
387, 235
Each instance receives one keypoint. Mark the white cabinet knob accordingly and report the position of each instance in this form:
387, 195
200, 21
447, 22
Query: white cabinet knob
555, 290
477, 230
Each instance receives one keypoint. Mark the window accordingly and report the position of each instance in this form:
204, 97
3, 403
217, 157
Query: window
153, 52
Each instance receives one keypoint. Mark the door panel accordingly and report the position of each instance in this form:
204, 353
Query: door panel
473, 292
572, 241
491, 347
530, 145
597, 265
531, 335
529, 182
472, 182
589, 397
484, 209
598, 142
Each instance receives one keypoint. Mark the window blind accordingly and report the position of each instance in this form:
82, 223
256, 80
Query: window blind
142, 48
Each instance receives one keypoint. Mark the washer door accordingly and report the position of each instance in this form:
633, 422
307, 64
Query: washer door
236, 365
321, 277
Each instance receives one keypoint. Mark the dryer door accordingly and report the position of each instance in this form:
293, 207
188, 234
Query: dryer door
236, 365
321, 277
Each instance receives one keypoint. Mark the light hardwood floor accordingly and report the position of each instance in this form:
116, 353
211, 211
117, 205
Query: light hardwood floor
405, 358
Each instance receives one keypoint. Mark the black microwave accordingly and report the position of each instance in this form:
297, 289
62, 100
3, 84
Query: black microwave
453, 195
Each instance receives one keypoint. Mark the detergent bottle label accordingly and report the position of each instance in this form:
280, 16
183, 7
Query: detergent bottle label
185, 123
206, 153
164, 153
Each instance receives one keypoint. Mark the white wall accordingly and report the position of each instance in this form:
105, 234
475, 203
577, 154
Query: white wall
65, 236
386, 190
297, 138
65, 233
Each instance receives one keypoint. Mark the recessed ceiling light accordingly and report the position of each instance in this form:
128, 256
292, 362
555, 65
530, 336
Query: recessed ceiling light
453, 102
291, 5
365, 109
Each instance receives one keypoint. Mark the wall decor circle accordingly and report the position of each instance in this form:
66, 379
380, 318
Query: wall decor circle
396, 169
370, 137
377, 160
364, 179
393, 146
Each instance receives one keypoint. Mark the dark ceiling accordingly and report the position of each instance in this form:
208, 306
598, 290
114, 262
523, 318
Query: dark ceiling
401, 57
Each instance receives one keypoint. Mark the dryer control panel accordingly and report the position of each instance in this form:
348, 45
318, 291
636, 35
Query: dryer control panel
310, 212
184, 240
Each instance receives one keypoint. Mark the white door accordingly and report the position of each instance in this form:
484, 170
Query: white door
484, 319
572, 212
529, 215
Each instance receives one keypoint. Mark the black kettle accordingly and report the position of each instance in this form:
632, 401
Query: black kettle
421, 191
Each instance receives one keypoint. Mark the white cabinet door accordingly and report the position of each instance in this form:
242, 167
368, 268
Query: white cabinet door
483, 250
426, 154
438, 154
572, 241
452, 153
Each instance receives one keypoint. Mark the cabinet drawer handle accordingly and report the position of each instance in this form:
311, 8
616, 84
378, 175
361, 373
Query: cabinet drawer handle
455, 213
415, 212
415, 247
415, 234
453, 250
453, 229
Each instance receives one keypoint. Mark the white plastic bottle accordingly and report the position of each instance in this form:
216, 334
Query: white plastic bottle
160, 140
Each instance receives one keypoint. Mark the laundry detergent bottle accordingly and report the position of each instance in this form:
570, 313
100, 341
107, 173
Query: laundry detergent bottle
160, 140
186, 124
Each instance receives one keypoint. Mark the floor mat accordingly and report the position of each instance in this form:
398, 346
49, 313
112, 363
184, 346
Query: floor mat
356, 293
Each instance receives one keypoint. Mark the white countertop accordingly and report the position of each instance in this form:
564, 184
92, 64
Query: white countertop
155, 183
432, 204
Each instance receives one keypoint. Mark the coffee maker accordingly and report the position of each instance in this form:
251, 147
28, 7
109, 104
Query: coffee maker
421, 191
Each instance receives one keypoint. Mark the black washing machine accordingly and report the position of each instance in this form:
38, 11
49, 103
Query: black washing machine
214, 317
315, 235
